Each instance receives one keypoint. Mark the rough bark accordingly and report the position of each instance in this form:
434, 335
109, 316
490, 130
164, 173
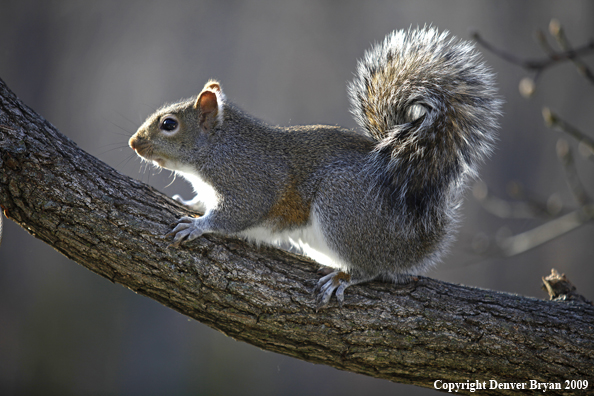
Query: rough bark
416, 334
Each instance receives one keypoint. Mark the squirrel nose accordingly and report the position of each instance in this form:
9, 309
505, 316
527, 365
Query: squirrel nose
133, 142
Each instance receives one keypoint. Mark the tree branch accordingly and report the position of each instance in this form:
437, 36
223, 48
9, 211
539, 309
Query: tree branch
417, 334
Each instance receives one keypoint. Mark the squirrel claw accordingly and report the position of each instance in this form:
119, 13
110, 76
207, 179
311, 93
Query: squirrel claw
335, 282
178, 228
185, 230
184, 220
174, 244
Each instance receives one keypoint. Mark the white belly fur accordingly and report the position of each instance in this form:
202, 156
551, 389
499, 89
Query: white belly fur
309, 240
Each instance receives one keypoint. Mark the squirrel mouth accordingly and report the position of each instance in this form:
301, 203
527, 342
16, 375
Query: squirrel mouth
144, 149
160, 162
148, 155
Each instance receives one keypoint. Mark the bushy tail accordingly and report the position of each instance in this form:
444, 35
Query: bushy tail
430, 102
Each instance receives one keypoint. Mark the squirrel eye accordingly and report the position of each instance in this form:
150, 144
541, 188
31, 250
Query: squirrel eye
169, 124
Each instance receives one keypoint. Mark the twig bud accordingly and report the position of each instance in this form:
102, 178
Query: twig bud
527, 87
549, 117
554, 27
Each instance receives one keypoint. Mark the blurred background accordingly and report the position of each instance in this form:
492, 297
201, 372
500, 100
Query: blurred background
95, 70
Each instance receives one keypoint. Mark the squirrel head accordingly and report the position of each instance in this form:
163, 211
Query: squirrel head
171, 137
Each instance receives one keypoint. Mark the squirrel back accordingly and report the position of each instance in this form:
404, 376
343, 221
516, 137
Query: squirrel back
379, 205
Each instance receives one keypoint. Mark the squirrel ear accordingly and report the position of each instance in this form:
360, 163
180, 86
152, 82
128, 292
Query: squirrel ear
210, 104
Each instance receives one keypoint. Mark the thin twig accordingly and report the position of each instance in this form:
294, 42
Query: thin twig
559, 34
554, 121
565, 155
544, 43
542, 234
536, 64
522, 208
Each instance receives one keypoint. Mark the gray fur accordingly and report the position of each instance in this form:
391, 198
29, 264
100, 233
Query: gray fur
383, 205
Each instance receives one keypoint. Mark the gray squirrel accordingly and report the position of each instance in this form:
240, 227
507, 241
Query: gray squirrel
377, 205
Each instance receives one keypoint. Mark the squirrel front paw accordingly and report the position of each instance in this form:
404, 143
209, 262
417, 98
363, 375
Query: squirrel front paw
194, 204
336, 280
179, 199
186, 229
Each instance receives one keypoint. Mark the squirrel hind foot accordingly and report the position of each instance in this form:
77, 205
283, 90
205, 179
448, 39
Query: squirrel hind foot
335, 282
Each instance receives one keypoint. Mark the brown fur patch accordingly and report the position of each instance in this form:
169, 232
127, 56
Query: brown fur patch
290, 210
340, 276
